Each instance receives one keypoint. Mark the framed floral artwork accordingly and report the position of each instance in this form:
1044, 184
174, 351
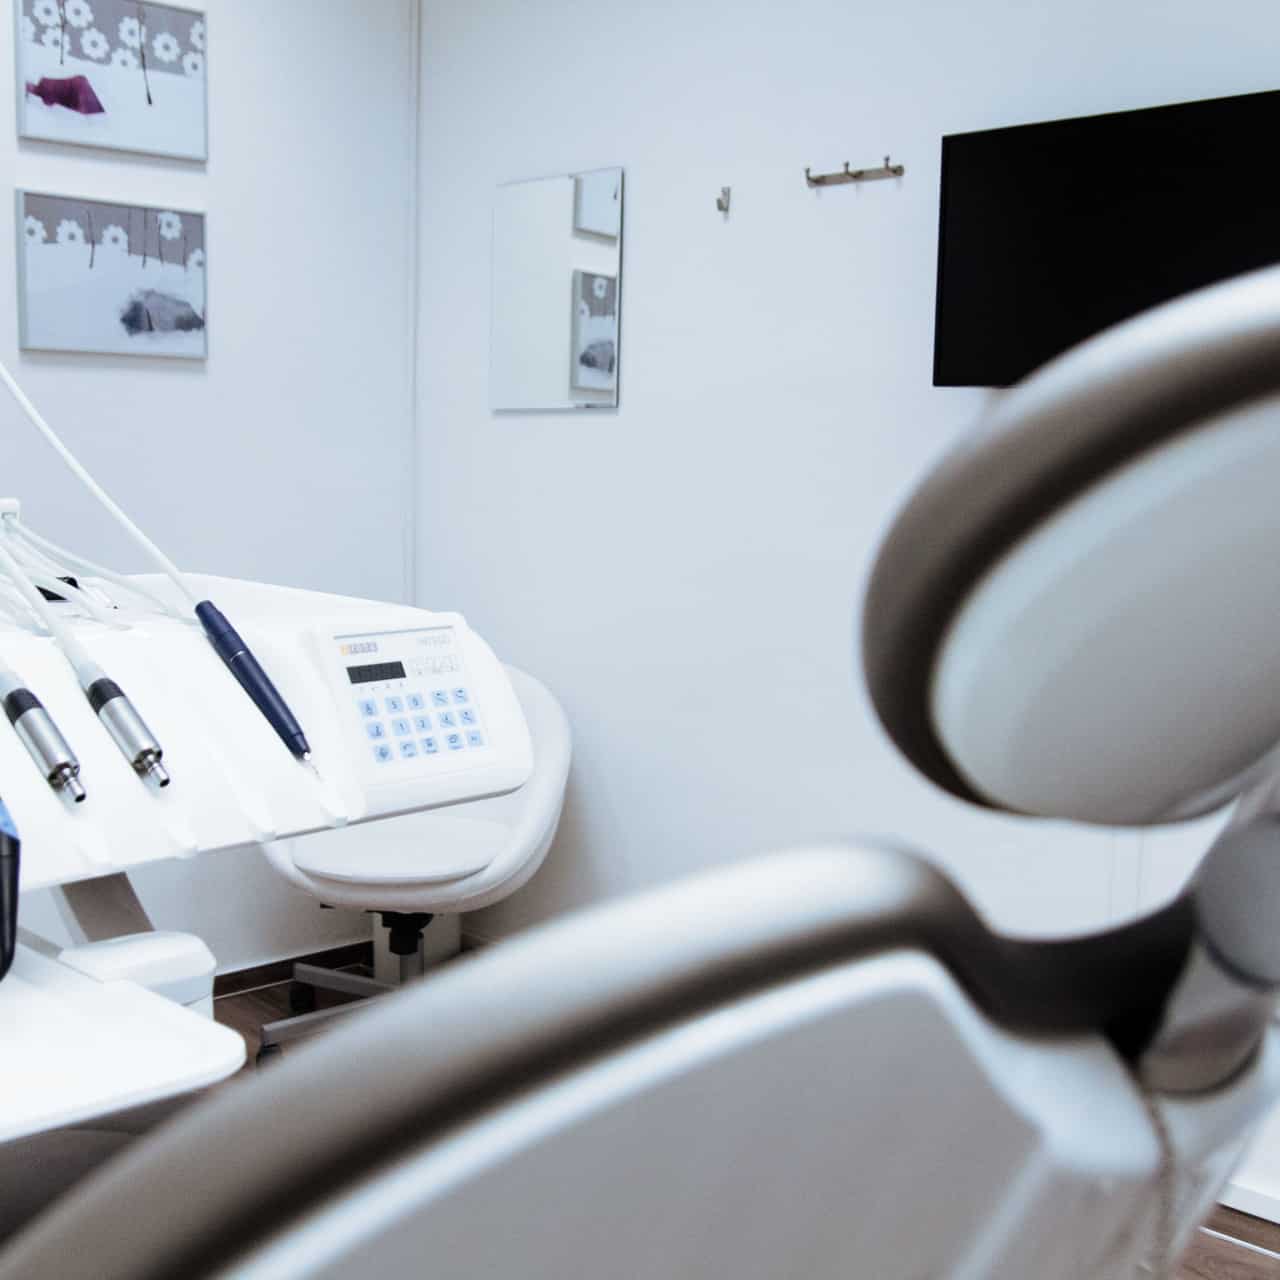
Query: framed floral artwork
113, 73
108, 277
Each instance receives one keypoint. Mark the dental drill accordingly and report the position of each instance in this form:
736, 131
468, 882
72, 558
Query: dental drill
118, 715
40, 735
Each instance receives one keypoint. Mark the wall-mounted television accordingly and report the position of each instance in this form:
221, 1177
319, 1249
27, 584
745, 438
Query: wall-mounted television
1051, 232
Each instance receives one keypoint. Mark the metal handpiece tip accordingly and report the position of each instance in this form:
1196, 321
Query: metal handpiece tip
73, 788
158, 773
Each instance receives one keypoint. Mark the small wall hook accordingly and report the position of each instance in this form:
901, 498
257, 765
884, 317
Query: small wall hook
722, 200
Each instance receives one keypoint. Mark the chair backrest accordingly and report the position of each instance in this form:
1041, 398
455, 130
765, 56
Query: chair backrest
519, 829
749, 1073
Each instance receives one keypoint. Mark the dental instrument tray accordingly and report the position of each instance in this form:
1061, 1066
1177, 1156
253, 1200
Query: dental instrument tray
405, 709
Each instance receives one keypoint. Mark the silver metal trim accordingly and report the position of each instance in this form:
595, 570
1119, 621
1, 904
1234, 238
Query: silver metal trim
122, 721
50, 750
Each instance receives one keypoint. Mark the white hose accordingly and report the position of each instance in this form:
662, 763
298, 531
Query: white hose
9, 681
13, 604
172, 570
37, 558
75, 595
53, 577
80, 564
59, 579
87, 671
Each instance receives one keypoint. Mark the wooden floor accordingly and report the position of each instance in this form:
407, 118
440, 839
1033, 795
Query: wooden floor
1230, 1246
246, 1011
1233, 1246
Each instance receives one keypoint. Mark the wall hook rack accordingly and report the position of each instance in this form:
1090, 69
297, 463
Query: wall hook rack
886, 170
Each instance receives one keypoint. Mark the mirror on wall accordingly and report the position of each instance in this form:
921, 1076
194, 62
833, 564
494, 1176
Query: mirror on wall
557, 279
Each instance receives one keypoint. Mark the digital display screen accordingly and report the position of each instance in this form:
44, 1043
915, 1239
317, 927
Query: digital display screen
1051, 232
376, 671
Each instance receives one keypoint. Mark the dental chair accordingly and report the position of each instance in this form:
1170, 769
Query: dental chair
434, 862
823, 1063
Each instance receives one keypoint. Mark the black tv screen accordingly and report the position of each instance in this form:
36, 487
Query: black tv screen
1051, 232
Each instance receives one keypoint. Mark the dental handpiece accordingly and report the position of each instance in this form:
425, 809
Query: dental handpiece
118, 715
240, 661
40, 735
128, 729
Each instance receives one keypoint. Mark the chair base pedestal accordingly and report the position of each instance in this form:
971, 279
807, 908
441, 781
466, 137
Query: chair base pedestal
440, 943
404, 947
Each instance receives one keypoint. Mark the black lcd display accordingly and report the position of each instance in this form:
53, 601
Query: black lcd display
1051, 232
376, 671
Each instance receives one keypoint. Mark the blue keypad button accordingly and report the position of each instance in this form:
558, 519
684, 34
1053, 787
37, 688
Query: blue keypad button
460, 695
430, 746
382, 752
375, 729
475, 738
467, 716
447, 720
394, 706
409, 749
439, 698
422, 724
416, 702
400, 727
368, 706
454, 741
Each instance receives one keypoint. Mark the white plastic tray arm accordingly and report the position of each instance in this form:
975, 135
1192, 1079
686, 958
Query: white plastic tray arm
539, 802
531, 816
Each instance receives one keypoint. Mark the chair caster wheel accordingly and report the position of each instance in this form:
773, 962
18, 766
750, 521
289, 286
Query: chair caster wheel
268, 1053
302, 998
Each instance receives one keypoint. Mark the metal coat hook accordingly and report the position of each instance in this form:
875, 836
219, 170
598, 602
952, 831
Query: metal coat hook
886, 170
722, 200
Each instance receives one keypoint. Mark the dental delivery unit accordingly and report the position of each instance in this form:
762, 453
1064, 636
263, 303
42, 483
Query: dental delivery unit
130, 743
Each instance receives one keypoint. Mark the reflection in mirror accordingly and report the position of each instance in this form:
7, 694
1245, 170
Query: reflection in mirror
557, 259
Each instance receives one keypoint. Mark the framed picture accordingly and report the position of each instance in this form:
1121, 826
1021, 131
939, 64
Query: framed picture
113, 73
108, 277
595, 332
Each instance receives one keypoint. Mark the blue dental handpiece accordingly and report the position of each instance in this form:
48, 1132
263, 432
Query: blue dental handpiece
253, 679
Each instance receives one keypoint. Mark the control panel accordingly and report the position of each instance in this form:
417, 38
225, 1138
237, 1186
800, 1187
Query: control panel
425, 713
410, 700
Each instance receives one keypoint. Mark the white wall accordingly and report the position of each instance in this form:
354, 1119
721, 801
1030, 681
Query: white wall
684, 572
286, 456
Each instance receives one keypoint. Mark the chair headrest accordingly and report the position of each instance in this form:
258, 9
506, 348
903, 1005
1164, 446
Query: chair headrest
1097, 425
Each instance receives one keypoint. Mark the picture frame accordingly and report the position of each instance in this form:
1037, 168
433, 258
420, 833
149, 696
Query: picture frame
118, 74
111, 277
